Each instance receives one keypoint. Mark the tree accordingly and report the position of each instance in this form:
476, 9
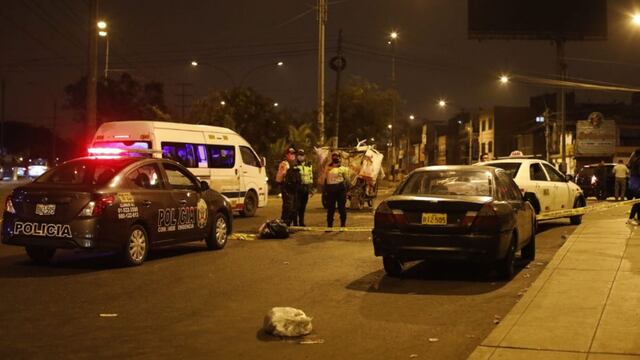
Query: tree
244, 110
121, 98
365, 112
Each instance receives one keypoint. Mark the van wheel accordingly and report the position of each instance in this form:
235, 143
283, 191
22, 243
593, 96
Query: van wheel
137, 247
40, 255
506, 267
250, 205
219, 233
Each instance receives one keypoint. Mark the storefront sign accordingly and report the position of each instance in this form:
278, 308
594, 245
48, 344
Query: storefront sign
595, 137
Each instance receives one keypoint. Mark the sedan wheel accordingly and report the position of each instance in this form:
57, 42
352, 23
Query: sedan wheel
137, 246
219, 234
506, 266
392, 266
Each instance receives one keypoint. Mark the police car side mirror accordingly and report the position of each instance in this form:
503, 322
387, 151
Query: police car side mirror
204, 186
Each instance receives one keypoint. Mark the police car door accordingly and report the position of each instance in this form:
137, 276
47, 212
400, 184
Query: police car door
185, 192
543, 187
143, 196
560, 188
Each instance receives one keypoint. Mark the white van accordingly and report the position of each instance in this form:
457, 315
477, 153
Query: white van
214, 154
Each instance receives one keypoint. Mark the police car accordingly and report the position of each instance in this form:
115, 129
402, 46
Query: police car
112, 201
546, 188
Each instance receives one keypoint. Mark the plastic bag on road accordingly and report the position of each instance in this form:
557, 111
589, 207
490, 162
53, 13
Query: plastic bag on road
274, 229
287, 321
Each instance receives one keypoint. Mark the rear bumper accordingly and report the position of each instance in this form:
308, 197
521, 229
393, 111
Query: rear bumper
470, 247
80, 234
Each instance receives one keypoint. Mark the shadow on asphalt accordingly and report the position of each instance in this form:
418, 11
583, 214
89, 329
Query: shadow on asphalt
435, 278
68, 262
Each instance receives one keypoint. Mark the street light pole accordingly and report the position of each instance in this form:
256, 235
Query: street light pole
106, 60
322, 19
562, 70
92, 75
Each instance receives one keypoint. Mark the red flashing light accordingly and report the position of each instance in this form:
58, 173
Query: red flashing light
105, 151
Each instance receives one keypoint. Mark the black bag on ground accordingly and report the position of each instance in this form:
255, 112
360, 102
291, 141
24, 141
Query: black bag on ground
274, 229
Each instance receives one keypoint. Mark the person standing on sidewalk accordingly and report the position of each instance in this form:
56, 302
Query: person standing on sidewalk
601, 175
283, 167
621, 172
634, 185
306, 188
336, 178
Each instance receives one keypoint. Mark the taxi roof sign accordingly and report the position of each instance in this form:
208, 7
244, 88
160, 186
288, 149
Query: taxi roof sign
516, 153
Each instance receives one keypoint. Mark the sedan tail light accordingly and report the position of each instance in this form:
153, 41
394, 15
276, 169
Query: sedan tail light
387, 216
487, 218
96, 207
8, 206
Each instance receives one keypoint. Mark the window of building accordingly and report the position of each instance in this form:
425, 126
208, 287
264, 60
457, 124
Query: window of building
490, 147
490, 121
483, 124
484, 150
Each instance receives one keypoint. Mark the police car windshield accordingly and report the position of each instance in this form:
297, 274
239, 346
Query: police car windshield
85, 172
454, 182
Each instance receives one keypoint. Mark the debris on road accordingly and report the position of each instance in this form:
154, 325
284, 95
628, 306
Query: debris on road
526, 275
528, 266
286, 262
287, 321
522, 292
311, 341
565, 236
540, 263
496, 319
470, 336
434, 339
413, 356
108, 315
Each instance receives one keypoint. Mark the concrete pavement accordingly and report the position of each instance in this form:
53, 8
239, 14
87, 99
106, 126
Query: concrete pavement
584, 305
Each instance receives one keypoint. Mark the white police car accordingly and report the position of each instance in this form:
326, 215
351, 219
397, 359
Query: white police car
546, 188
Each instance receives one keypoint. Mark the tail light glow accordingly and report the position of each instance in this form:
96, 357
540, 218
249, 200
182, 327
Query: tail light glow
387, 216
487, 218
97, 207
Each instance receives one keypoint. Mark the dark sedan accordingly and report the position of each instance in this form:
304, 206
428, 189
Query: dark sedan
598, 182
473, 213
127, 204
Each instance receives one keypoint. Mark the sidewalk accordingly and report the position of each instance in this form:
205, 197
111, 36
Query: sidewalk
584, 305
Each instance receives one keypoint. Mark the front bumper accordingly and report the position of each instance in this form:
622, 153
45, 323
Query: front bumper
82, 233
471, 247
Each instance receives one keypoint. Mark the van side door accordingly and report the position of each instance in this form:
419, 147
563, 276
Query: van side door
253, 174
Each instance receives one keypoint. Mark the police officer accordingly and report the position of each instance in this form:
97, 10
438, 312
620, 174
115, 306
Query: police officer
306, 188
336, 183
288, 199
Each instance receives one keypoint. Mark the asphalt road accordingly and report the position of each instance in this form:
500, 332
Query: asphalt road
186, 302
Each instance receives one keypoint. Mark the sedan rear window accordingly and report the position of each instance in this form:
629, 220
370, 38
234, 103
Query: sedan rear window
84, 172
510, 168
454, 182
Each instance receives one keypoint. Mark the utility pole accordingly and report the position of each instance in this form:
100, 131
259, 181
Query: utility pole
183, 98
562, 112
338, 64
3, 91
547, 133
54, 121
92, 73
322, 20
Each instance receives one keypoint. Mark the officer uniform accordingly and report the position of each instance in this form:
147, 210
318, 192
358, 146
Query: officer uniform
305, 189
336, 183
288, 194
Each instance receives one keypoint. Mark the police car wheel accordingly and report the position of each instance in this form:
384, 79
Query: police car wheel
40, 255
137, 246
250, 205
219, 233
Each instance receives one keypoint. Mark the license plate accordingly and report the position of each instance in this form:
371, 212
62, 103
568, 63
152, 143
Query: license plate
45, 209
434, 219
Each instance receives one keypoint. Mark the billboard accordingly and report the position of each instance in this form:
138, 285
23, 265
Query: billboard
537, 19
595, 139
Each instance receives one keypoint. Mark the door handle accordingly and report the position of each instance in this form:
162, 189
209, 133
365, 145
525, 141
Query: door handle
146, 203
182, 202
245, 172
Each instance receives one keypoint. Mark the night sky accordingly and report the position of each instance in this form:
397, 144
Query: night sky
43, 48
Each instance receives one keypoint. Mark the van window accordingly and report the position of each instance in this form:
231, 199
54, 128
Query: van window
248, 157
183, 153
201, 153
222, 156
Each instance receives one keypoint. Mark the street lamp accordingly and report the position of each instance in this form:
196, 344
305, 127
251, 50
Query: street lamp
635, 19
223, 103
442, 103
102, 26
504, 79
275, 104
194, 63
251, 71
280, 63
412, 117
390, 126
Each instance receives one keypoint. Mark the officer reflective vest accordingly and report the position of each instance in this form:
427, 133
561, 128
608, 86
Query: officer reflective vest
306, 172
337, 175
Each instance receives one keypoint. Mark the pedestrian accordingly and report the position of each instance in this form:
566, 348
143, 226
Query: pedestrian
336, 178
283, 167
620, 172
290, 190
601, 176
485, 157
634, 185
305, 189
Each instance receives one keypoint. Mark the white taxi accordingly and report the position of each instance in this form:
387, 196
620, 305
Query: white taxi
546, 188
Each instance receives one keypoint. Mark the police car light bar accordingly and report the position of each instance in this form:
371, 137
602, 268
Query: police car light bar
105, 151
